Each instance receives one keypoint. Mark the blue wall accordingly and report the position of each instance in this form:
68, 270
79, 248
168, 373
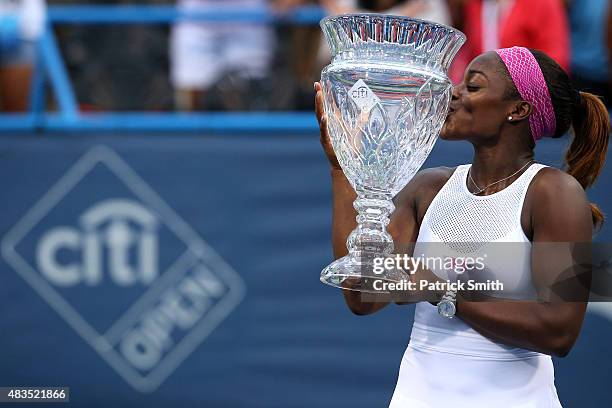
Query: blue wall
247, 215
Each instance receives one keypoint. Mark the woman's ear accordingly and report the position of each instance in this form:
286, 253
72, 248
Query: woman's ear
521, 110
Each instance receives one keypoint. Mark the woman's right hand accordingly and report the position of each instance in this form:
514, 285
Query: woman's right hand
322, 119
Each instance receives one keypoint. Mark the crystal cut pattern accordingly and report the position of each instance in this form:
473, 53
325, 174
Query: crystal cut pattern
386, 96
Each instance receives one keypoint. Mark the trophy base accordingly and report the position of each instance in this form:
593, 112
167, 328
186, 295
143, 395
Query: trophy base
353, 272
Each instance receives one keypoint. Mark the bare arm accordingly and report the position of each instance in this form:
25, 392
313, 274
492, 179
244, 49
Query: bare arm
560, 214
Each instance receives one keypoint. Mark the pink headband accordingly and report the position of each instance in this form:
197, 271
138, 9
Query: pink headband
529, 80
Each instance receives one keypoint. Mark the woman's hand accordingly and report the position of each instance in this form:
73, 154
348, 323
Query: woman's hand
322, 119
418, 294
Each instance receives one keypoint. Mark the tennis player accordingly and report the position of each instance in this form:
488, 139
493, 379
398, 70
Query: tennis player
493, 354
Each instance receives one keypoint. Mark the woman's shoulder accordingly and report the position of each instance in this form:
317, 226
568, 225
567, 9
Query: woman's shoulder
425, 185
557, 202
433, 177
552, 182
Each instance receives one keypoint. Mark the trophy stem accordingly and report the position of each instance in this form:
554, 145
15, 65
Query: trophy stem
371, 235
370, 240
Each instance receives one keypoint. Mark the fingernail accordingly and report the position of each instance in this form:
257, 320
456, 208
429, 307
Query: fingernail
314, 86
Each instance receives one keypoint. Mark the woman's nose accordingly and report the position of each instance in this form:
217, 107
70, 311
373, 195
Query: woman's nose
456, 91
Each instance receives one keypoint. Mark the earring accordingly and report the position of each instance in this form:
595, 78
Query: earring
510, 118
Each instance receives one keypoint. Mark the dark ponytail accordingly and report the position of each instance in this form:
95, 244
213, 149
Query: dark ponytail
586, 155
586, 114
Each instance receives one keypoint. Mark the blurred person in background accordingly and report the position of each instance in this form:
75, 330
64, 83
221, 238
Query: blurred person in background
303, 53
590, 64
432, 10
21, 24
287, 6
295, 67
205, 54
492, 24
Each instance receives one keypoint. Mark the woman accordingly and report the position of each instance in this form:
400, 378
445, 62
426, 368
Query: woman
493, 353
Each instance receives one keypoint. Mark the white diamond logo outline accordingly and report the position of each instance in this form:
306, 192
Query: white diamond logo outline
362, 95
196, 248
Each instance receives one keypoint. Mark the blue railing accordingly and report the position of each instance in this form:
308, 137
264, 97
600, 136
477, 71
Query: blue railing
50, 67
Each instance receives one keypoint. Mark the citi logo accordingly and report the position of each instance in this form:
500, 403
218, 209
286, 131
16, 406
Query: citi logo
362, 96
109, 232
360, 92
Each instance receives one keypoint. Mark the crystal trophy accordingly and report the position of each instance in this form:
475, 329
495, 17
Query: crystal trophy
386, 96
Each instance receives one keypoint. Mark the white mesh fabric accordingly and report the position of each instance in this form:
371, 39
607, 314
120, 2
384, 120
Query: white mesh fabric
466, 221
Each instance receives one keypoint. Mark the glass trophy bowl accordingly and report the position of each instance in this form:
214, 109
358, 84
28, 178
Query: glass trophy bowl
386, 96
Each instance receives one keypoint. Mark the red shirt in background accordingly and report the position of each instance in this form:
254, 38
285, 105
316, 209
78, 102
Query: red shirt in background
539, 24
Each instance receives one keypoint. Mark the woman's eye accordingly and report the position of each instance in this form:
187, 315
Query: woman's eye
472, 88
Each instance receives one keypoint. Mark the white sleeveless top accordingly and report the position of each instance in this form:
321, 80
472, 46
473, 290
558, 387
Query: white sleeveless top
447, 363
471, 225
